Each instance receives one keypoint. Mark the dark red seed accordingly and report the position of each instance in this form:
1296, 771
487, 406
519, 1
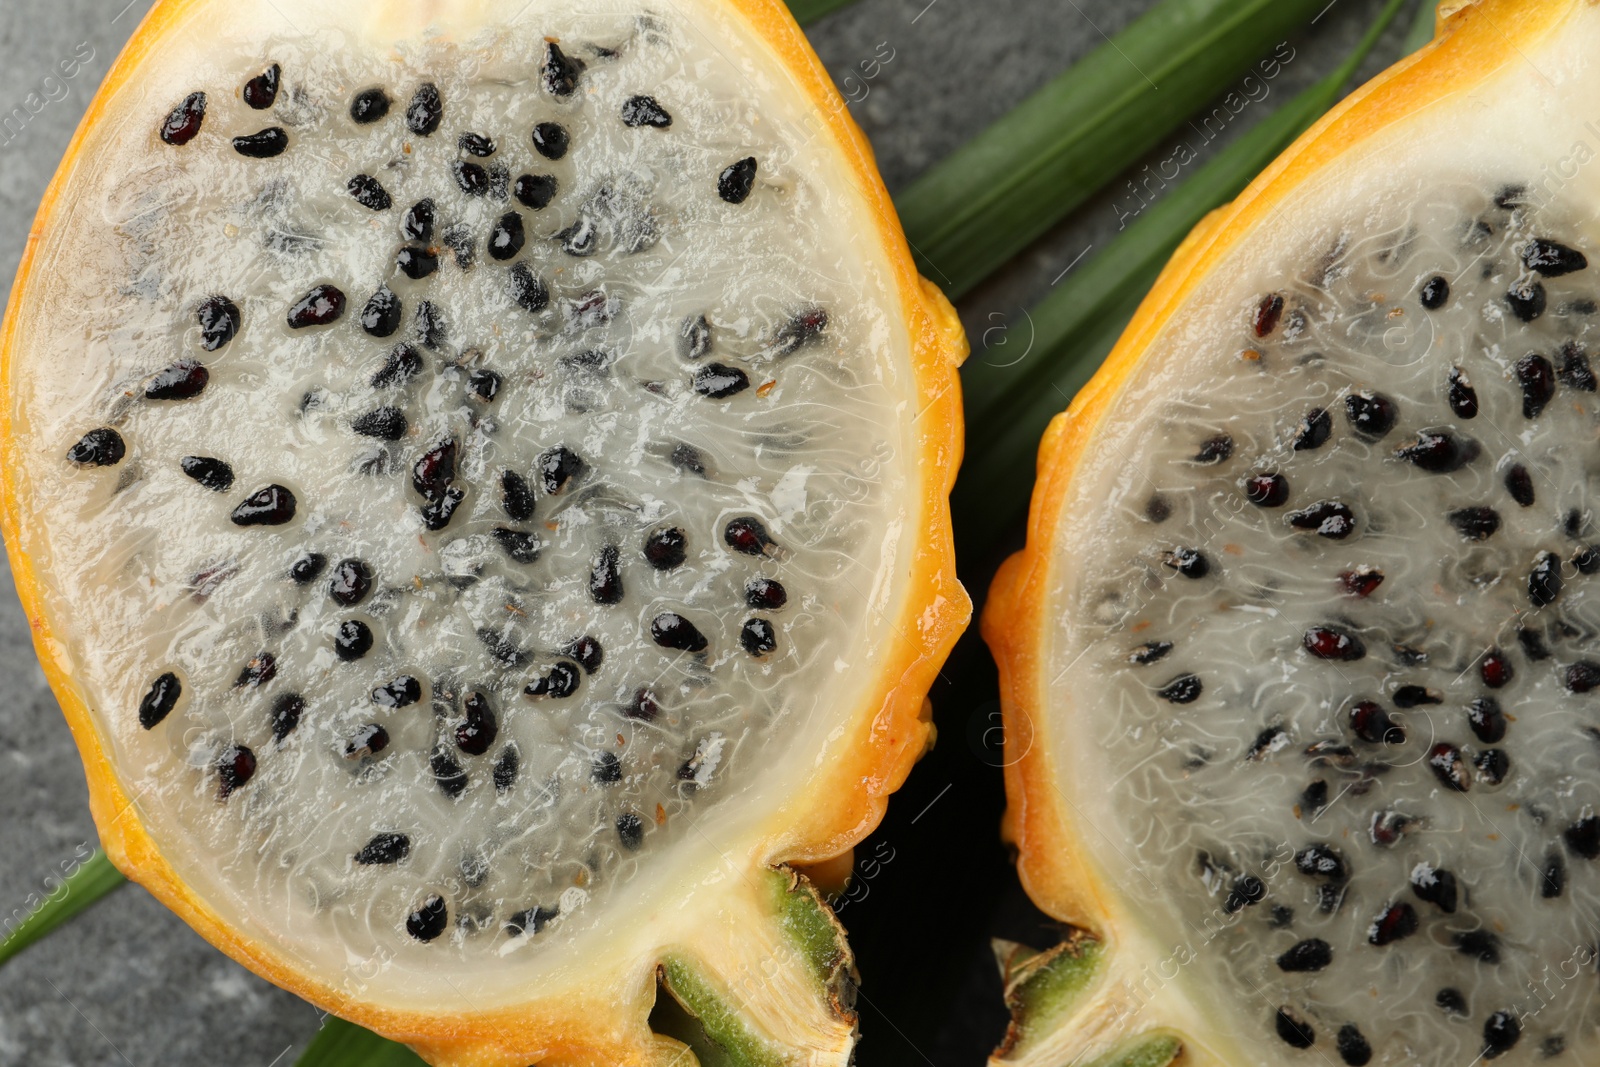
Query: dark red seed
1395, 922
1387, 826
1439, 452
270, 506
1370, 721
1552, 258
1447, 764
425, 110
550, 140
720, 381
1361, 582
1501, 1032
1488, 722
1329, 518
1332, 643
534, 191
1544, 581
368, 106
1312, 954
1436, 887
1315, 429
1435, 291
429, 920
1188, 562
505, 769
671, 630
98, 448
235, 767
384, 849
1526, 300
258, 672
645, 111
369, 740
210, 472
436, 514
352, 640
417, 224
270, 142
1496, 669
758, 637
767, 594
158, 703
1294, 1031
433, 473
736, 181
521, 546
1538, 380
667, 548
558, 467
1267, 490
401, 365
506, 237
470, 177
1553, 876
588, 652
416, 262
802, 328
385, 424
448, 775
401, 692
286, 713
560, 72
477, 733
183, 122
747, 535
182, 380
527, 291
562, 681
644, 707
1184, 689
1267, 314
320, 306
516, 496
484, 383
1214, 449
351, 582
219, 320
1353, 1047
1493, 765
1463, 398
630, 831
605, 577
1371, 414
307, 568
1475, 524
1583, 676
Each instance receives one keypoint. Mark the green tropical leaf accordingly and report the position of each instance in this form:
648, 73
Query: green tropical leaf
91, 880
342, 1044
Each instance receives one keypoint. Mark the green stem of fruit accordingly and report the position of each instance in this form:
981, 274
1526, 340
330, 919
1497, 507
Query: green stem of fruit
342, 1044
1010, 400
1008, 185
808, 11
93, 879
1421, 31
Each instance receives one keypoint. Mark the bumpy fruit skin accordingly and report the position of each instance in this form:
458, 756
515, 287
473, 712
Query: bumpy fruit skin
597, 1013
1064, 1002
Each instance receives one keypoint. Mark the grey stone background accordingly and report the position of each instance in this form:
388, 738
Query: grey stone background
128, 985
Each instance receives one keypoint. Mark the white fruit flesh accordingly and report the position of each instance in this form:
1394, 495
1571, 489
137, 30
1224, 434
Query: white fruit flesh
146, 574
1152, 785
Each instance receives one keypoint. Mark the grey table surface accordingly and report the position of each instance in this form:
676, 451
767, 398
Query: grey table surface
129, 985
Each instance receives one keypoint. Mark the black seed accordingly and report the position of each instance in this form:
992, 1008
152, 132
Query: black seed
476, 144
1533, 645
522, 547
433, 473
1371, 414
671, 630
1321, 861
694, 337
369, 193
264, 145
235, 767
560, 71
477, 733
367, 741
436, 514
645, 111
767, 594
558, 467
319, 307
503, 650
381, 316
666, 549
1215, 449
307, 568
385, 423
534, 191
269, 506
527, 291
1353, 1047
1463, 398
1315, 796
1267, 313
588, 652
447, 773
1583, 837
605, 577
534, 919
286, 712
1553, 876
606, 768
645, 707
98, 448
400, 692
1481, 944
1312, 954
1519, 483
210, 472
470, 177
630, 830
505, 769
1475, 524
369, 106
1267, 490
1188, 562
1246, 891
431, 916
1370, 721
1575, 372
1435, 291
219, 320
1447, 764
1329, 518
1551, 258
416, 262
580, 239
551, 141
747, 535
430, 324
803, 327
1451, 1000
506, 237
1395, 922
417, 225
1439, 452
734, 183
758, 637
183, 122
1544, 581
686, 458
1282, 917
1587, 559
484, 383
1526, 300
1295, 1032
352, 640
1538, 380
1500, 1033
1435, 887
385, 848
719, 381
516, 496
425, 110
562, 681
1488, 722
158, 703
1415, 696
1332, 643
1315, 429
401, 365
1493, 765
1184, 689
